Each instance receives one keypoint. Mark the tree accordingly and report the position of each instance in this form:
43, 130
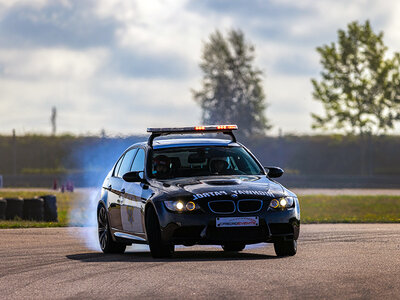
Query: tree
232, 89
360, 86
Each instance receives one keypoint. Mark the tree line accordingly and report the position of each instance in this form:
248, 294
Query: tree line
298, 155
359, 86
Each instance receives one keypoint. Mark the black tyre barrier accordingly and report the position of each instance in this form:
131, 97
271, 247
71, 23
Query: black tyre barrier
50, 208
15, 208
3, 207
34, 209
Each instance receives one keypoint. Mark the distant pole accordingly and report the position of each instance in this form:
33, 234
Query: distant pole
14, 145
53, 120
281, 154
103, 133
370, 159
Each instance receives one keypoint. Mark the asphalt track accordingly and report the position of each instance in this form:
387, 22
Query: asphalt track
342, 261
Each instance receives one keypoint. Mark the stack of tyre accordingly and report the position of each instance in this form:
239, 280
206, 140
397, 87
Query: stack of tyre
43, 208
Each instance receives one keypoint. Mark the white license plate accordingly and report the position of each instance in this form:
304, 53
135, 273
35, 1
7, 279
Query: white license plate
237, 222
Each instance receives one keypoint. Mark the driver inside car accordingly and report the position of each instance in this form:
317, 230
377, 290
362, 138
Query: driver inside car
218, 166
162, 166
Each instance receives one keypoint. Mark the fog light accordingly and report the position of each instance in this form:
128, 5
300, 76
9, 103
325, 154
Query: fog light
190, 206
179, 205
274, 203
283, 202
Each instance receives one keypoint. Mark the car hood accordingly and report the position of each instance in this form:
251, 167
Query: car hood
257, 186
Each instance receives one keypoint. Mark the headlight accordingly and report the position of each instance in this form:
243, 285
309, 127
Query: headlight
181, 205
274, 203
284, 202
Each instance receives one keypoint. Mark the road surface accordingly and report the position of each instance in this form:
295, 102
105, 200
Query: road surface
339, 261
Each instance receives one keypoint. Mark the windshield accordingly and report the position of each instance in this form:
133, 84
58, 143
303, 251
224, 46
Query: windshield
202, 161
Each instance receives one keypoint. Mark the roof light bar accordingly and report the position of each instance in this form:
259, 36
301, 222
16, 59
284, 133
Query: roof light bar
226, 129
213, 128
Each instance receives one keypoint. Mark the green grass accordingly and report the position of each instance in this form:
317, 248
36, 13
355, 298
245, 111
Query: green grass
350, 209
314, 209
29, 224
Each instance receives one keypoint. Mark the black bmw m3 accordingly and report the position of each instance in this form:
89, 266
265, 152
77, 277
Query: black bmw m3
189, 191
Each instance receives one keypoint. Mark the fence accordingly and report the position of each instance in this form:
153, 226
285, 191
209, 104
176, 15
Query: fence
288, 180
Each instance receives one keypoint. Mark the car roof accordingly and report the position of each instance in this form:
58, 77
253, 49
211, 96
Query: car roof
187, 142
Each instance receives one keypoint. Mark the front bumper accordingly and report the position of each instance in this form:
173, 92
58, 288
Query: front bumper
200, 227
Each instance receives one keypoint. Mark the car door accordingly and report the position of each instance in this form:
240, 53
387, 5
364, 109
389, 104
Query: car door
116, 189
133, 198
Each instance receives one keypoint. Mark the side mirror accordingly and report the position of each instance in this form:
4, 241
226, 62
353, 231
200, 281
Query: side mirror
274, 172
132, 177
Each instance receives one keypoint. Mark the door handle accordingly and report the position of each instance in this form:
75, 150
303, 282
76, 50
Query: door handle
123, 191
109, 187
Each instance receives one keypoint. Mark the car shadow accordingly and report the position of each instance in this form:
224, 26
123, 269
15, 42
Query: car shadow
178, 256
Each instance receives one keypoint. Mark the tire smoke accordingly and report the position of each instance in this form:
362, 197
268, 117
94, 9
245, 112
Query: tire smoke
95, 159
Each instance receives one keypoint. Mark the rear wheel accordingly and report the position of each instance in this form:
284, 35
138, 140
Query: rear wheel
158, 248
233, 247
285, 248
106, 242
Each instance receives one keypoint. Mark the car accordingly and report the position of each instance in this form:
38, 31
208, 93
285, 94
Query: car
195, 190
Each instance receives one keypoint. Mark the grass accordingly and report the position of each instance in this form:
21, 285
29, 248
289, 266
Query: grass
29, 224
314, 209
350, 209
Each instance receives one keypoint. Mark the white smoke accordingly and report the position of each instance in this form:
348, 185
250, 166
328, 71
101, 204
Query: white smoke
84, 213
95, 158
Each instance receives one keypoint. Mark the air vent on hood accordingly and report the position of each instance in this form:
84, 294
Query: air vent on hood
222, 182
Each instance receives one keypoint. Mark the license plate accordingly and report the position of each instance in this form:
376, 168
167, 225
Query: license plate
237, 222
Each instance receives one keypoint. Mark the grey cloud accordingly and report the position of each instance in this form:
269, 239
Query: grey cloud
139, 65
273, 20
72, 26
264, 19
247, 9
295, 65
77, 27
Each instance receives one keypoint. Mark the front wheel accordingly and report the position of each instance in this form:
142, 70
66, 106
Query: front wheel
285, 248
106, 242
158, 248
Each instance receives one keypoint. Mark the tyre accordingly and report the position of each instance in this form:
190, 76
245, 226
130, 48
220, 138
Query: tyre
50, 208
233, 247
33, 209
285, 248
158, 248
15, 208
3, 208
107, 244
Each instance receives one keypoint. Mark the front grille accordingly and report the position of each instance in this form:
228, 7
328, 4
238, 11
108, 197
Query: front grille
222, 206
249, 205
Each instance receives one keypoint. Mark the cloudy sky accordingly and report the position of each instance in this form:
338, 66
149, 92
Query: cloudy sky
127, 65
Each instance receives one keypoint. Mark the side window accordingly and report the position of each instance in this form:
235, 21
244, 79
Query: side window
117, 166
138, 163
126, 162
